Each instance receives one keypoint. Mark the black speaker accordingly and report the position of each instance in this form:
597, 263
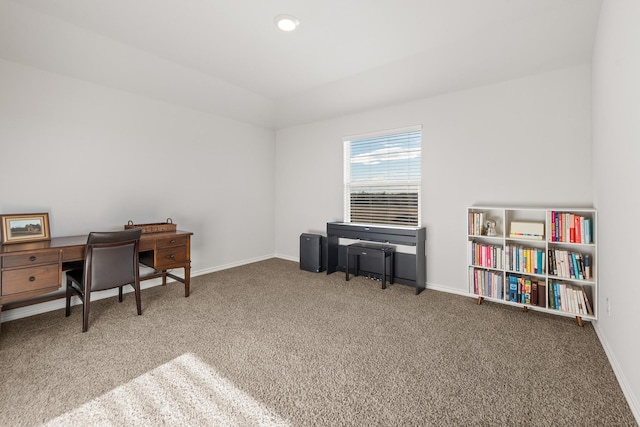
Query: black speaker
312, 257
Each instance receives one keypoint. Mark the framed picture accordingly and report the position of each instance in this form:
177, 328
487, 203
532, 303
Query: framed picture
25, 228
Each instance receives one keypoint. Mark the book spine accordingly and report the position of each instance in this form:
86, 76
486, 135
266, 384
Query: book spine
587, 231
513, 288
570, 264
587, 302
587, 267
576, 268
580, 263
581, 305
534, 292
561, 226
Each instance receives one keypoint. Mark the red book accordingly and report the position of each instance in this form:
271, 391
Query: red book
570, 225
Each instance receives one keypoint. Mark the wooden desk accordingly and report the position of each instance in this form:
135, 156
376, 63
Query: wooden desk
31, 273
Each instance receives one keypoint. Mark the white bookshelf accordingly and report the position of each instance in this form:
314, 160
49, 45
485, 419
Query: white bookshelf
537, 259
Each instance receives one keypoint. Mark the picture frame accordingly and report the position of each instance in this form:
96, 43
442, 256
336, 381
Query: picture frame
18, 228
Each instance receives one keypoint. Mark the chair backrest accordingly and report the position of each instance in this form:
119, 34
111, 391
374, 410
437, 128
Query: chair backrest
111, 259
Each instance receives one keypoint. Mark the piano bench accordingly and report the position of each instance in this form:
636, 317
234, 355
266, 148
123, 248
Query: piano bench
376, 252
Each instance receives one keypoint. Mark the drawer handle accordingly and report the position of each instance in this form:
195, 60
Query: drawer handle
364, 253
172, 241
172, 256
32, 258
32, 278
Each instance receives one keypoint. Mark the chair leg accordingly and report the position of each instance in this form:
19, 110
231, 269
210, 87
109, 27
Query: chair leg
120, 294
85, 313
136, 289
67, 311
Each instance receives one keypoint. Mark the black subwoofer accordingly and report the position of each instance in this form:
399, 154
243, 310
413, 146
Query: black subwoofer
312, 257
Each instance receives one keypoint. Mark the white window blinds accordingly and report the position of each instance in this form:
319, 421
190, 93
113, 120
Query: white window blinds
382, 178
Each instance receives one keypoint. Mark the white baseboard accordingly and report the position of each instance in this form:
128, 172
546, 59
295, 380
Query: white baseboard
287, 257
441, 288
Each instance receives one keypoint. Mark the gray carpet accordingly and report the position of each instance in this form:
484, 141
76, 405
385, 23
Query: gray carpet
269, 344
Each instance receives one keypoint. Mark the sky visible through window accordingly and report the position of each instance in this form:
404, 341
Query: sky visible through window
386, 158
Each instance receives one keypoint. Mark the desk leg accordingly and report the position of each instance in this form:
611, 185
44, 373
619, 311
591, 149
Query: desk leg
187, 279
384, 270
347, 267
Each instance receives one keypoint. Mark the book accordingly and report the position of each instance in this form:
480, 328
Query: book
587, 267
570, 265
527, 291
534, 292
574, 300
586, 302
470, 223
580, 263
542, 295
581, 305
541, 269
561, 264
561, 227
527, 230
587, 231
513, 288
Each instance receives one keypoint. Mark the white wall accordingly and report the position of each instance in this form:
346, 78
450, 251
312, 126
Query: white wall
94, 157
522, 142
616, 139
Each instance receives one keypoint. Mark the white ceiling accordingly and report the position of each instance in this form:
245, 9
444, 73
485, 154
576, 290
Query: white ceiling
228, 58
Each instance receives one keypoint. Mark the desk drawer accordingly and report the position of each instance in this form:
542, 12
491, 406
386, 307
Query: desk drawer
169, 242
34, 278
24, 260
170, 257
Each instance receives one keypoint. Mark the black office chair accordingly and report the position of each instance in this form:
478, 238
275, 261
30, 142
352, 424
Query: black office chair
111, 261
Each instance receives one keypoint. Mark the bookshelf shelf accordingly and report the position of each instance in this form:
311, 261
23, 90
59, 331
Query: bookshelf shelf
542, 259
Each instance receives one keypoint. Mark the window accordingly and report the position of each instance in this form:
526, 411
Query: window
382, 177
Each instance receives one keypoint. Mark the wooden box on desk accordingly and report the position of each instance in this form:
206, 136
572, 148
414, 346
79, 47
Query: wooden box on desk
156, 227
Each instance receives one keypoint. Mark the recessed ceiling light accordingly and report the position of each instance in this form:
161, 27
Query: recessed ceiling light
286, 22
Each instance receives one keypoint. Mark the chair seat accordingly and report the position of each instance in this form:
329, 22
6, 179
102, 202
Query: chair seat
76, 274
